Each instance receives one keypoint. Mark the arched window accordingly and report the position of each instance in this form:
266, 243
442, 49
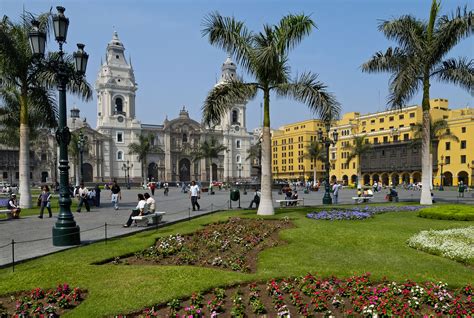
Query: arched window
237, 144
238, 159
235, 117
118, 105
185, 137
120, 155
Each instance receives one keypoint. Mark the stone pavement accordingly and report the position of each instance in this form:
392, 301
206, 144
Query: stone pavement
33, 235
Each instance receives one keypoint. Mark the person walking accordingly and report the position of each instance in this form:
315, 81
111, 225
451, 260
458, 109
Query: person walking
335, 192
45, 202
116, 194
152, 188
141, 209
195, 194
83, 195
97, 195
256, 199
166, 186
461, 189
150, 202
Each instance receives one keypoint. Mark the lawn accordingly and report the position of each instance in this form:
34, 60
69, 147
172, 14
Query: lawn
449, 212
342, 248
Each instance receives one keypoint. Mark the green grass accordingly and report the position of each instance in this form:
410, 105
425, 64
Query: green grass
449, 212
341, 248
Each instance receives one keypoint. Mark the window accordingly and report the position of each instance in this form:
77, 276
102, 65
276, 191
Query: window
353, 165
363, 123
385, 139
43, 157
463, 130
412, 115
237, 144
185, 137
395, 138
5, 175
401, 126
447, 160
383, 153
372, 121
381, 120
401, 116
238, 159
120, 155
406, 137
376, 140
118, 105
463, 158
463, 144
235, 117
390, 118
448, 145
372, 129
119, 136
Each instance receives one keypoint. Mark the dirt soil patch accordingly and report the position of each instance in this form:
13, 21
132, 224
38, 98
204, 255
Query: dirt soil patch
233, 245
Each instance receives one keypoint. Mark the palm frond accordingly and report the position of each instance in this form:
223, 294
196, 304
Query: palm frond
308, 90
391, 61
407, 31
314, 151
291, 30
459, 72
208, 150
223, 96
230, 35
358, 148
405, 83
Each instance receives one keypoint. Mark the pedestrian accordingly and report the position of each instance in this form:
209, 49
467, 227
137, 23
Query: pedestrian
141, 209
97, 195
150, 202
256, 199
165, 185
152, 188
45, 202
13, 207
461, 189
83, 196
195, 194
116, 194
335, 192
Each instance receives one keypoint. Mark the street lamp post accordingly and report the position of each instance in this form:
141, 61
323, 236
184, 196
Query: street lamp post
327, 143
441, 164
126, 167
80, 146
65, 231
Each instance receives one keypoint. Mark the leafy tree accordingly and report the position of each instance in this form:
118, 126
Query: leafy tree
24, 75
255, 153
314, 152
208, 150
420, 57
142, 148
264, 56
358, 148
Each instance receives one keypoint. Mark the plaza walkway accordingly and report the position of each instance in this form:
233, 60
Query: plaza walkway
32, 235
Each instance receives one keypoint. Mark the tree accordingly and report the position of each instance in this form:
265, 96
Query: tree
358, 148
208, 150
314, 152
438, 130
419, 58
74, 153
254, 153
22, 73
264, 56
142, 148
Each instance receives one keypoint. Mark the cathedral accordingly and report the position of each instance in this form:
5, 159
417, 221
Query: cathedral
107, 156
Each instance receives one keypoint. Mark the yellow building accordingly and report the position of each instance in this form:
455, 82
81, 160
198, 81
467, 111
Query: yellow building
393, 159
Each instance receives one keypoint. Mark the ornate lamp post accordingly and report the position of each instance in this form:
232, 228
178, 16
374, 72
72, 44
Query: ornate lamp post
80, 146
441, 164
65, 230
126, 167
327, 143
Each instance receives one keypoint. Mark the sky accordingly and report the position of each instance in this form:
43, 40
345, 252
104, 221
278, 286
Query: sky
175, 65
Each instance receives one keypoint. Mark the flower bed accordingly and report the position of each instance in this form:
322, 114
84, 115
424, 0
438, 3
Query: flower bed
309, 296
358, 213
455, 244
40, 302
231, 245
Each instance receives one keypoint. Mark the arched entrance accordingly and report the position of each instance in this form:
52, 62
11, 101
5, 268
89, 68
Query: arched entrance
152, 172
214, 172
416, 177
375, 178
333, 179
447, 179
464, 177
395, 179
345, 180
88, 174
366, 179
406, 178
44, 176
353, 179
184, 170
385, 179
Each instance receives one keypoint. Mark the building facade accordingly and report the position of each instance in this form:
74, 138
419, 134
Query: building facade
393, 159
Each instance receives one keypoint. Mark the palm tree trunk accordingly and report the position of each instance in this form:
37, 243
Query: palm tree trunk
76, 172
24, 164
431, 170
266, 203
314, 174
359, 173
210, 176
425, 146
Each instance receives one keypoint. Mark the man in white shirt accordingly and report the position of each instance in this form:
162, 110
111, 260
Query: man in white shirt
83, 194
194, 193
150, 202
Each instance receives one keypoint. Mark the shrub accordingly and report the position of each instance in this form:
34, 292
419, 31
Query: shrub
448, 212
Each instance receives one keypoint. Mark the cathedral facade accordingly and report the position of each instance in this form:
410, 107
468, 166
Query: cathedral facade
107, 155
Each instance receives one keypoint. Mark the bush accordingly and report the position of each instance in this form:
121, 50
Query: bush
448, 212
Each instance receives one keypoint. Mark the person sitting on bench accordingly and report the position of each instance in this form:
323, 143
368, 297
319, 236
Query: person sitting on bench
141, 209
13, 207
151, 204
294, 197
392, 195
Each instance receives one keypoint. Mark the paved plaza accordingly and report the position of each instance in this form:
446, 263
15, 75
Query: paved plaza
33, 235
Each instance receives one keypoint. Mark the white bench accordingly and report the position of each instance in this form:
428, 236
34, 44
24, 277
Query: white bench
284, 203
148, 219
7, 212
362, 199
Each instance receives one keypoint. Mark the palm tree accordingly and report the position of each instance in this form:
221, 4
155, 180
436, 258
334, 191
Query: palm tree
142, 148
358, 148
255, 154
208, 150
264, 56
21, 72
314, 151
73, 151
439, 129
419, 58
